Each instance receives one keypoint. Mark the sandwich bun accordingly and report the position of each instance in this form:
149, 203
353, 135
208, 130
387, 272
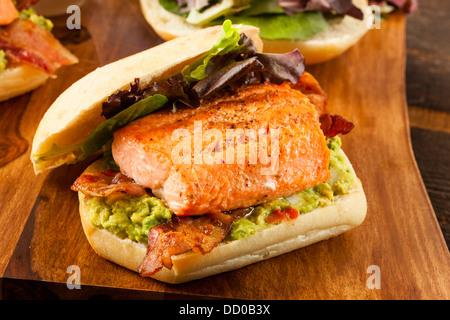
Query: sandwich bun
340, 35
20, 79
340, 215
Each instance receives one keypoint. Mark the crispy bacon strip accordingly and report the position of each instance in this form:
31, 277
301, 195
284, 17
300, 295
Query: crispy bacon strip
25, 41
104, 183
19, 55
334, 124
331, 124
181, 234
25, 4
311, 88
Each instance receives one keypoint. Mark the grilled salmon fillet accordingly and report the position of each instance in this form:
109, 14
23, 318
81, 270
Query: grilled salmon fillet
164, 152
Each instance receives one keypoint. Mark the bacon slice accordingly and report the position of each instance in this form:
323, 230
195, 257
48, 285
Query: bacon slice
104, 183
310, 87
26, 42
19, 55
182, 234
334, 124
25, 4
331, 124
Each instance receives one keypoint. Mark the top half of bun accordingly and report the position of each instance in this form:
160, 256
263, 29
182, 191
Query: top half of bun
77, 111
340, 35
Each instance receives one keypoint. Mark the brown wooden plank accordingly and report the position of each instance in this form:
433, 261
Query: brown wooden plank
432, 152
429, 119
428, 56
430, 138
119, 30
428, 89
400, 234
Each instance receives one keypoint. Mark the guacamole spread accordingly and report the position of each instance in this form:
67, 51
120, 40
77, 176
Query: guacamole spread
341, 179
128, 216
30, 14
3, 61
132, 217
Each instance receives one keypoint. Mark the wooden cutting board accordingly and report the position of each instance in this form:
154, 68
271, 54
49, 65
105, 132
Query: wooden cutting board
41, 233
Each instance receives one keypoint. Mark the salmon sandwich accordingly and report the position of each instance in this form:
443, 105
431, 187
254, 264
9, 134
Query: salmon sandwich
29, 53
320, 29
207, 155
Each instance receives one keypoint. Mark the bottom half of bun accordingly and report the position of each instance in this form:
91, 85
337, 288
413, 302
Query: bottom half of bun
19, 79
342, 214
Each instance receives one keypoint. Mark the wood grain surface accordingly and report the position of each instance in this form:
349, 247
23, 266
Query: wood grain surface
42, 235
428, 96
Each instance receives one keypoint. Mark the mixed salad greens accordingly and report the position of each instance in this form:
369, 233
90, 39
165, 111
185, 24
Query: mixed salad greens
231, 62
276, 19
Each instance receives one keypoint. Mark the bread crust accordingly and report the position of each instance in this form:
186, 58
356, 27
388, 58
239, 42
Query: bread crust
339, 37
20, 79
342, 214
68, 126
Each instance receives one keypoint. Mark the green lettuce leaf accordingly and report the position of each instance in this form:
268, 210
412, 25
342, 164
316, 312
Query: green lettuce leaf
104, 132
261, 7
172, 6
281, 26
227, 41
271, 19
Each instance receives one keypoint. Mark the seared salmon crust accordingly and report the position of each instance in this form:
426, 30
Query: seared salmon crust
294, 158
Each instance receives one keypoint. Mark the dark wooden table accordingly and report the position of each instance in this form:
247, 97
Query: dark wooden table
428, 97
426, 77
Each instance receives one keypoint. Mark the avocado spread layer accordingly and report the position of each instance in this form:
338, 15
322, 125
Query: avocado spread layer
3, 61
30, 14
132, 217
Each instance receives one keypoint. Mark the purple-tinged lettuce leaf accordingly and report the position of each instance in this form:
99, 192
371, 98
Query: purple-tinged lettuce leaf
405, 5
188, 5
245, 48
122, 99
226, 76
232, 62
174, 88
279, 68
227, 65
342, 7
243, 66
